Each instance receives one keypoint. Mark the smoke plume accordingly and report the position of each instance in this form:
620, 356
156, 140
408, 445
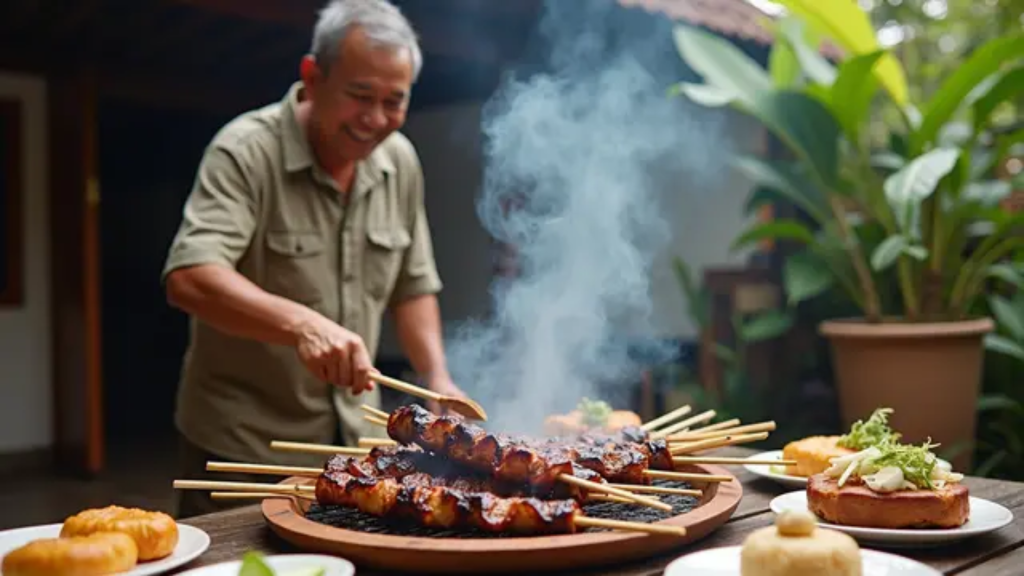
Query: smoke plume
583, 151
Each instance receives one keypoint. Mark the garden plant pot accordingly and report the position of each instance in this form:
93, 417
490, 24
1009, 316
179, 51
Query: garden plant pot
929, 374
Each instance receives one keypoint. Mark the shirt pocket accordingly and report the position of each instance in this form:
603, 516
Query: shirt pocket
295, 266
383, 260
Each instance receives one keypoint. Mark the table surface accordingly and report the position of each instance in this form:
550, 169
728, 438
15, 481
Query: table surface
237, 531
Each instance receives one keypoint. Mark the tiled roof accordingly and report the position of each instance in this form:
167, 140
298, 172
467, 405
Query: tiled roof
735, 18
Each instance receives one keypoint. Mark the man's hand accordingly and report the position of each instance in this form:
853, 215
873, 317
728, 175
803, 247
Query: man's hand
442, 385
335, 355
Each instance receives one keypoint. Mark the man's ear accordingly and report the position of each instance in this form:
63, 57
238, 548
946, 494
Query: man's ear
309, 71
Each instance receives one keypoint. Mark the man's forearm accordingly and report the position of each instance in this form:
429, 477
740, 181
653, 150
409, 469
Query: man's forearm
418, 323
230, 302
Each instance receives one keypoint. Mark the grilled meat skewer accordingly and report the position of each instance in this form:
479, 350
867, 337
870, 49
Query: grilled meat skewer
399, 462
522, 460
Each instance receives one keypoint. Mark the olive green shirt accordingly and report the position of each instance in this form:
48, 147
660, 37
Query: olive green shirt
262, 206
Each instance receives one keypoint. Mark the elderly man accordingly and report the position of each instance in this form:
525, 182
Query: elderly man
305, 223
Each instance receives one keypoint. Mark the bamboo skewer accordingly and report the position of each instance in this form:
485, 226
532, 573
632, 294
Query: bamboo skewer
260, 495
699, 435
666, 418
725, 460
644, 489
318, 448
687, 476
243, 486
725, 424
375, 420
376, 442
604, 488
684, 424
374, 412
263, 469
720, 442
587, 522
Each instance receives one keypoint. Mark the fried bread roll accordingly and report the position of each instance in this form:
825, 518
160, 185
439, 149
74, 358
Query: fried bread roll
92, 555
155, 533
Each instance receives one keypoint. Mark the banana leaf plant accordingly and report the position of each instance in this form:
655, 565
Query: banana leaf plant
898, 215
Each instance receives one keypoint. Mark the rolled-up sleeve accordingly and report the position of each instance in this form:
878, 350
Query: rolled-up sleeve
418, 275
219, 216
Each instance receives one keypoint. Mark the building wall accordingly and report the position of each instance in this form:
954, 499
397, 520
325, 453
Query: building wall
25, 363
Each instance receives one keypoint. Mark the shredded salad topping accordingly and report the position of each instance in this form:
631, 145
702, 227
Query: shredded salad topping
890, 466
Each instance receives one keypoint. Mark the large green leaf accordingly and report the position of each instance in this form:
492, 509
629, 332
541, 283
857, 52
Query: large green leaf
801, 121
814, 65
782, 229
908, 187
784, 179
805, 125
853, 91
893, 247
1007, 88
697, 299
982, 63
721, 63
805, 276
849, 26
1009, 316
783, 66
1004, 345
1007, 273
707, 96
765, 326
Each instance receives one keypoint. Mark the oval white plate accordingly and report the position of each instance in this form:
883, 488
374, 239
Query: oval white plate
191, 543
282, 564
726, 562
986, 516
766, 471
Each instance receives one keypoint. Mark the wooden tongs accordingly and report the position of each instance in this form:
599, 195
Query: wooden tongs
463, 406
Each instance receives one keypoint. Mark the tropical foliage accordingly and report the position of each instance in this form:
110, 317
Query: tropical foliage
888, 226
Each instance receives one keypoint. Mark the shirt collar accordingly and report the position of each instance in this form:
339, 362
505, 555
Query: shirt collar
298, 154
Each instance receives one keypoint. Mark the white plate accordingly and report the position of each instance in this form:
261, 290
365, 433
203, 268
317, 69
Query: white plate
282, 564
767, 471
726, 562
986, 516
191, 543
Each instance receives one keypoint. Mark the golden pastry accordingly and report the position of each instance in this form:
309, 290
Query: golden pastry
92, 555
155, 533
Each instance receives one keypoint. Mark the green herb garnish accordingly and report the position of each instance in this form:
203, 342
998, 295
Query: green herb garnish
594, 413
916, 462
253, 565
871, 433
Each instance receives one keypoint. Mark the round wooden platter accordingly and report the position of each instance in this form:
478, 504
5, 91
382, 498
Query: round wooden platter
526, 554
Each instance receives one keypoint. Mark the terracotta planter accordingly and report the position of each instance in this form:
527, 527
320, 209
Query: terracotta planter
929, 374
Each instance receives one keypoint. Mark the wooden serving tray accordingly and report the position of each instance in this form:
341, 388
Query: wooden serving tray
527, 554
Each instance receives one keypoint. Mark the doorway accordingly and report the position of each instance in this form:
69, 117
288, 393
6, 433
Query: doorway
147, 162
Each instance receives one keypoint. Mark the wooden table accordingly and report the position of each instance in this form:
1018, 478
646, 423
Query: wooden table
1000, 553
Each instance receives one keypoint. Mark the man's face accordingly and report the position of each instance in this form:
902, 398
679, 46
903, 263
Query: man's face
361, 99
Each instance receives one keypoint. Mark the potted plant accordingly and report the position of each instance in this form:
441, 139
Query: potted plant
889, 225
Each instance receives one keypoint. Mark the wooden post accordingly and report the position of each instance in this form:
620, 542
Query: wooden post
75, 271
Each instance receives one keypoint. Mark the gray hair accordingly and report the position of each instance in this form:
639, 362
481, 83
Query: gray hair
381, 21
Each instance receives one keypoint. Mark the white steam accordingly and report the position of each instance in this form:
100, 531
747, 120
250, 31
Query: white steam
589, 150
